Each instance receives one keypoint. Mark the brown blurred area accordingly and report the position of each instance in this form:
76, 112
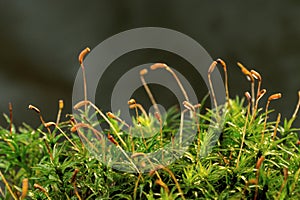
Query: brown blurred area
40, 41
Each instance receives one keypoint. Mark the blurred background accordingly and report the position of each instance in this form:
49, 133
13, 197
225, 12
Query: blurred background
40, 42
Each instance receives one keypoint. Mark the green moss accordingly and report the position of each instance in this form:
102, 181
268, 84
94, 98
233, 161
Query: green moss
243, 163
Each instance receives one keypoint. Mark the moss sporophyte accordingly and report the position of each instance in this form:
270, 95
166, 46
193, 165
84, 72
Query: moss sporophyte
254, 157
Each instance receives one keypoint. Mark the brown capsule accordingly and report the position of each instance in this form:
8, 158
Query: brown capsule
220, 61
158, 66
48, 124
24, 188
246, 72
157, 116
188, 105
248, 96
285, 173
73, 129
80, 104
111, 115
252, 181
131, 101
31, 107
60, 104
274, 96
162, 184
83, 54
243, 68
143, 72
134, 155
259, 162
74, 175
256, 75
198, 105
112, 139
37, 186
132, 106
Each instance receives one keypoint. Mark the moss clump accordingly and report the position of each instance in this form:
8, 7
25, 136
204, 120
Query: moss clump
252, 159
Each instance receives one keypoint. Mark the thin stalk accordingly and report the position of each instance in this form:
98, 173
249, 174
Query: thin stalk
175, 180
131, 162
253, 97
140, 107
259, 96
43, 190
136, 106
258, 165
166, 67
136, 186
158, 117
8, 187
192, 108
271, 98
276, 126
223, 64
48, 149
61, 131
81, 103
181, 126
285, 177
210, 70
77, 127
265, 122
133, 102
143, 136
10, 117
122, 150
258, 77
1, 192
163, 185
81, 56
297, 107
151, 163
118, 119
60, 107
73, 181
252, 182
171, 174
142, 73
250, 78
31, 107
245, 127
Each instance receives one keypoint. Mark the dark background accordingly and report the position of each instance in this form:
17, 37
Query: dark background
40, 42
